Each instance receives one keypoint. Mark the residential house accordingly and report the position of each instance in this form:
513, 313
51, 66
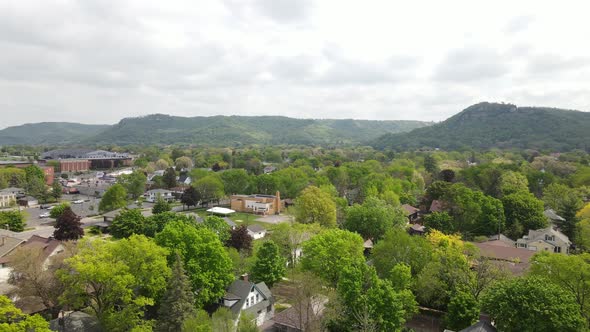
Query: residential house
368, 247
75, 321
269, 169
436, 206
18, 192
184, 180
49, 246
515, 260
417, 229
151, 176
152, 195
411, 213
501, 240
256, 232
244, 296
260, 204
484, 325
303, 316
7, 246
546, 239
230, 222
7, 199
28, 201
553, 217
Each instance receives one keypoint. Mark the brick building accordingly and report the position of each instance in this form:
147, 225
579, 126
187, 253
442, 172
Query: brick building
261, 204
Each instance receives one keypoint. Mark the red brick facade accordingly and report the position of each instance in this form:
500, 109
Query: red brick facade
74, 165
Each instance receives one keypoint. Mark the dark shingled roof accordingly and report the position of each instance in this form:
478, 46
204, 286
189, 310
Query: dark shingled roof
436, 206
240, 289
256, 228
410, 209
480, 327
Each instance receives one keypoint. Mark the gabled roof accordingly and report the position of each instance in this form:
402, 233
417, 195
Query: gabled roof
48, 245
229, 222
256, 228
240, 289
552, 215
410, 209
436, 206
480, 327
158, 191
8, 244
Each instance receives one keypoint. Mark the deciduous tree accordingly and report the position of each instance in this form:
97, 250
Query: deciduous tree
373, 218
68, 226
127, 223
134, 183
240, 239
532, 304
161, 206
13, 319
315, 206
269, 265
114, 198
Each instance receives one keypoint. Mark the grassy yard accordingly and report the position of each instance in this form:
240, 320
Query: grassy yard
239, 218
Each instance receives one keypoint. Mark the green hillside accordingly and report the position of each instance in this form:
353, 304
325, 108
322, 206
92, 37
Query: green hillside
489, 125
240, 130
48, 133
215, 130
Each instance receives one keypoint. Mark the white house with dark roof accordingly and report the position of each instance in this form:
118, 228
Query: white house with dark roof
546, 239
152, 195
256, 232
244, 296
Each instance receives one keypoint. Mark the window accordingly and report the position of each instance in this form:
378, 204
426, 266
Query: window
257, 298
557, 249
247, 302
549, 237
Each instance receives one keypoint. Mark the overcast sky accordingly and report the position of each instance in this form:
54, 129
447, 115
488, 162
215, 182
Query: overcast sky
97, 61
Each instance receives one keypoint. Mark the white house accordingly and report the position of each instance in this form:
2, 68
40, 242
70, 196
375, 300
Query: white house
256, 232
7, 199
248, 297
152, 195
546, 239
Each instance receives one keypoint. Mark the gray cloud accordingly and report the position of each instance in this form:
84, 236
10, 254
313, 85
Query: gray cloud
97, 61
471, 64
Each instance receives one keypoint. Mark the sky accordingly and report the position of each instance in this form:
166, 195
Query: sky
98, 61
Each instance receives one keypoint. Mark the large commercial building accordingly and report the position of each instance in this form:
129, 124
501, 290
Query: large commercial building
80, 160
261, 204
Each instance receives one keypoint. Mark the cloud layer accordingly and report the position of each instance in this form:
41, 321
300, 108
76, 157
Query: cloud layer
97, 61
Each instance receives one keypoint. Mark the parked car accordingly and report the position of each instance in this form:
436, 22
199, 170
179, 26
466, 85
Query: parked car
44, 215
78, 201
51, 207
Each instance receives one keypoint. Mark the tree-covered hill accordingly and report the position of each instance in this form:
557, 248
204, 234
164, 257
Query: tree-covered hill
490, 125
214, 131
240, 130
48, 133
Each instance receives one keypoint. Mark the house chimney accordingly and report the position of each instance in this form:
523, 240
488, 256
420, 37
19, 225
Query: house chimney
278, 202
244, 277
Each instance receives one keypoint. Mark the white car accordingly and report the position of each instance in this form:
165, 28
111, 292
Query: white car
51, 207
44, 215
78, 201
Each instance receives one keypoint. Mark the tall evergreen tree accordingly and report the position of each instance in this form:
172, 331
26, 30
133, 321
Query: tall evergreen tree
178, 303
170, 178
68, 226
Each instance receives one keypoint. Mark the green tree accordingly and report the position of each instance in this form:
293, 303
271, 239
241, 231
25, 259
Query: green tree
441, 221
218, 226
430, 164
207, 263
315, 206
532, 304
178, 302
513, 182
289, 237
210, 188
12, 220
127, 223
56, 190
235, 181
134, 183
372, 304
114, 198
566, 202
373, 218
117, 280
198, 323
169, 178
161, 206
68, 226
269, 265
13, 319
183, 163
525, 210
57, 210
327, 253
399, 247
462, 312
571, 273
223, 320
247, 323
